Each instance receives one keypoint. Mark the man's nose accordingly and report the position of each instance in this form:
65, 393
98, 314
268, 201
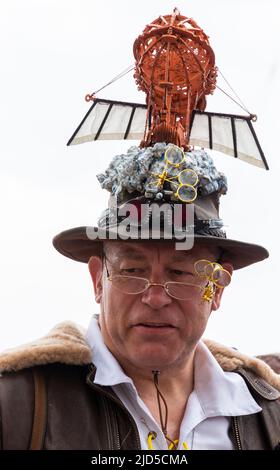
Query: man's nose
156, 297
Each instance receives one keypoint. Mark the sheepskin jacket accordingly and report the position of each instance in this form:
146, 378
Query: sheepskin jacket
79, 414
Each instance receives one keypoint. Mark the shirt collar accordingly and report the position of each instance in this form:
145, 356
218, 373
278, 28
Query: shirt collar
217, 393
220, 393
108, 370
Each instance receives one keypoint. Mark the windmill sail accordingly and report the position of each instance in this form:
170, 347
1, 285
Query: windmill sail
228, 133
111, 120
116, 120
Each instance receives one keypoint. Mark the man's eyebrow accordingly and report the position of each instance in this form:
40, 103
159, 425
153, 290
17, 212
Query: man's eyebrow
131, 254
136, 255
182, 257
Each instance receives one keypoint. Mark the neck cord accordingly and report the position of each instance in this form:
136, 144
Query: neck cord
163, 422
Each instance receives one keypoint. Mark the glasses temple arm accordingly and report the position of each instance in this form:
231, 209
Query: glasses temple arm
103, 260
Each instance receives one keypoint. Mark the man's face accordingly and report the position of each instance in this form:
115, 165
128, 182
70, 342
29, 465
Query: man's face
151, 330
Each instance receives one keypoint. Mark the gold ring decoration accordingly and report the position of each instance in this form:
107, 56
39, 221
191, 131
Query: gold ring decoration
215, 274
186, 191
188, 176
174, 156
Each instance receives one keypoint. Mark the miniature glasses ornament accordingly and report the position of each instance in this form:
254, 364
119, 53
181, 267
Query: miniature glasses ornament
187, 179
212, 271
186, 191
216, 275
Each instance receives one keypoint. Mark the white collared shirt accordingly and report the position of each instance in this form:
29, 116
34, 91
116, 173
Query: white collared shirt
217, 395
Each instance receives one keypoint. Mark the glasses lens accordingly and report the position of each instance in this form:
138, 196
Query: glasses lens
209, 269
182, 291
174, 155
188, 177
200, 267
186, 193
130, 285
221, 277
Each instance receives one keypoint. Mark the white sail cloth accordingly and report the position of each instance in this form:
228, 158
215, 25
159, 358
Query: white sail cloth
227, 133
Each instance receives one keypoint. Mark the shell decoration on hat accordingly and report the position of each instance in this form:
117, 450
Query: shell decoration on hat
140, 170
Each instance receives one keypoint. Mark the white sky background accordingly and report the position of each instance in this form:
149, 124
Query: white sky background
53, 53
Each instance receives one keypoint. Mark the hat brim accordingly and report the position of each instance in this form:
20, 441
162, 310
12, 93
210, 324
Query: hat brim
77, 245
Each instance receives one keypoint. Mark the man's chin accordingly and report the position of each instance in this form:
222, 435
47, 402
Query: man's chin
153, 360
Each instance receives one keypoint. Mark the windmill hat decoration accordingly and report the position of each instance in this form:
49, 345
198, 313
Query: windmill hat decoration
175, 67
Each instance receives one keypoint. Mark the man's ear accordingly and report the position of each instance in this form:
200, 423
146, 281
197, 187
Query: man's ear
96, 269
219, 292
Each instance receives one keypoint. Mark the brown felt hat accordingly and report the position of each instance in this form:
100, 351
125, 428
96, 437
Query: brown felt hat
81, 243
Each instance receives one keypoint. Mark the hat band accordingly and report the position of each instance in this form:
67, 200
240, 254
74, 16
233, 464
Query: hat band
170, 220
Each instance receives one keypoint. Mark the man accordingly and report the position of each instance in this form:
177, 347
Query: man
141, 377
152, 330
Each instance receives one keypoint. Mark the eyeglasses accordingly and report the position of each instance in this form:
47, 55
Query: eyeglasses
138, 285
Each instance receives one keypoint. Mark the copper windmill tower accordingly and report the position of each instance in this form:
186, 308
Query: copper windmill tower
175, 67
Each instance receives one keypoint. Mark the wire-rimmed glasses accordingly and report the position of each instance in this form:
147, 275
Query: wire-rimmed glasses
133, 285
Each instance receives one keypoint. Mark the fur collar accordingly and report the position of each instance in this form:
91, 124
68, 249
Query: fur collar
66, 343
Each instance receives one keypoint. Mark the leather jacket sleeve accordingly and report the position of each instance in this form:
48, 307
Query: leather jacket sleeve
16, 410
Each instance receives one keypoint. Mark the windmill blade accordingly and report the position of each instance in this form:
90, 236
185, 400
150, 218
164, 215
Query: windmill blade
228, 133
118, 120
111, 120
